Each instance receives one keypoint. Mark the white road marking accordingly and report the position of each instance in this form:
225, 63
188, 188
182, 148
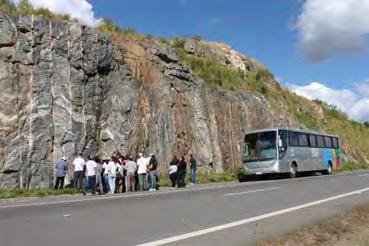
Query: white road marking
252, 191
363, 175
248, 220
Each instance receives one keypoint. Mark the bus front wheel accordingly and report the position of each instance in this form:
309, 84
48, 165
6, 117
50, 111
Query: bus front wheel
293, 171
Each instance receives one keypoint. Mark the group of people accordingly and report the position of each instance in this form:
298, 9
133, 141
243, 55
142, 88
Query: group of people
177, 171
120, 174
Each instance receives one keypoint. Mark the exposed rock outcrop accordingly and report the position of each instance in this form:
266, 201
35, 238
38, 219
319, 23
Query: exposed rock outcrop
65, 88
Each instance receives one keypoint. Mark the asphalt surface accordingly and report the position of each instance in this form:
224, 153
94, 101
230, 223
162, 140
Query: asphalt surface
228, 214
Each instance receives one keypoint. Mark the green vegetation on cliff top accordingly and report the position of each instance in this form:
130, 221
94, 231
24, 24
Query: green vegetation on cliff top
25, 8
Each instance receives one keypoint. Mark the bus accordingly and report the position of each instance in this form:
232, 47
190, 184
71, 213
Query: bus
289, 151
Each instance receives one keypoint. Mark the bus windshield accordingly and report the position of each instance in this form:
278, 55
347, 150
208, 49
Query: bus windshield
261, 146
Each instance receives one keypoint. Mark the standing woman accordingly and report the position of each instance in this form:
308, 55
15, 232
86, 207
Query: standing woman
173, 171
112, 173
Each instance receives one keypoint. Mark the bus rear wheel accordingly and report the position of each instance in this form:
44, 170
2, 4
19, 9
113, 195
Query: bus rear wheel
329, 170
293, 171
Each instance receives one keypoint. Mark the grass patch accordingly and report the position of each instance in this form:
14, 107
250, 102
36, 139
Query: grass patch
40, 192
25, 8
107, 26
350, 228
351, 166
216, 74
230, 175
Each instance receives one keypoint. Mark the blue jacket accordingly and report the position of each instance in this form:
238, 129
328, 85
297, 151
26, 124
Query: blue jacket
61, 168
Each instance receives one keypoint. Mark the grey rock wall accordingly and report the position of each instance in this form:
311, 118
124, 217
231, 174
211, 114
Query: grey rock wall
65, 89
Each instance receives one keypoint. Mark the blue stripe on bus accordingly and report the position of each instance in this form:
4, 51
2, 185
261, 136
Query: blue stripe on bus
328, 156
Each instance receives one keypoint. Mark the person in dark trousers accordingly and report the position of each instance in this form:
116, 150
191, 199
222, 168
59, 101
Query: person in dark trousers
153, 165
79, 172
61, 169
193, 168
182, 172
173, 171
91, 172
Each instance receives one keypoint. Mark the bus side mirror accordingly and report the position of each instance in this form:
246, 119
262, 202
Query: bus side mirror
280, 144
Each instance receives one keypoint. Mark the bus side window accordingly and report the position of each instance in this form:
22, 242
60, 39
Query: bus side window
294, 141
320, 141
328, 142
312, 140
303, 140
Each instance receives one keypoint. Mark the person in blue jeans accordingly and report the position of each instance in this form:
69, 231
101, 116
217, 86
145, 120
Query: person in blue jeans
193, 167
153, 165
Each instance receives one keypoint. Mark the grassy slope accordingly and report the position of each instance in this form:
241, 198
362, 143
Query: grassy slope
310, 114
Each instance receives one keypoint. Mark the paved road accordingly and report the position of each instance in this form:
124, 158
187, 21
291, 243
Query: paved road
236, 214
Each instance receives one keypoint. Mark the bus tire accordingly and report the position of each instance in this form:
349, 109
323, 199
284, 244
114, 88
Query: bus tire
329, 170
293, 170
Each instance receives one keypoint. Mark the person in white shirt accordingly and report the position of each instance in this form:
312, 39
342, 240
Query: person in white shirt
142, 171
112, 173
173, 171
91, 171
79, 165
106, 175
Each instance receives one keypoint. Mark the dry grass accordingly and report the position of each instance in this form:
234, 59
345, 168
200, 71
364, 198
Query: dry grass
350, 228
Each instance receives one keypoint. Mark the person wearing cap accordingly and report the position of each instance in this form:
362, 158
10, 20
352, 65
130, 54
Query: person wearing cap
141, 171
61, 169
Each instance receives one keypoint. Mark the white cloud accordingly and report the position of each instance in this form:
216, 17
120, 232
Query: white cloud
80, 9
354, 102
332, 27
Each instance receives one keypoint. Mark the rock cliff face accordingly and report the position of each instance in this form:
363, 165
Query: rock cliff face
66, 89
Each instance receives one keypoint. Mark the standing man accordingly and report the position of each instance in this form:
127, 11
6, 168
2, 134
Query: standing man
131, 168
182, 166
91, 171
79, 165
193, 168
112, 173
153, 165
99, 175
61, 169
141, 171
